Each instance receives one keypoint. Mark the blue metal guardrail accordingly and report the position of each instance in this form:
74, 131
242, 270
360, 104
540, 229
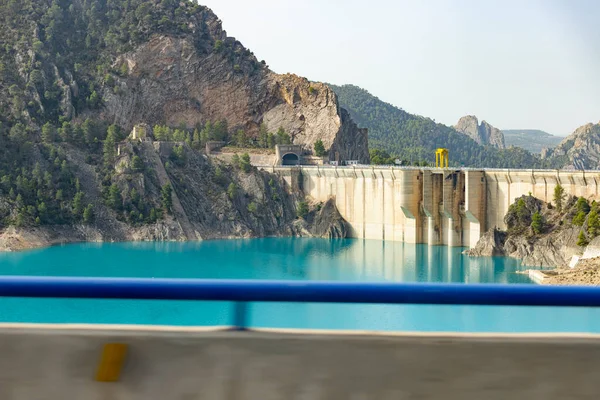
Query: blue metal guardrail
243, 291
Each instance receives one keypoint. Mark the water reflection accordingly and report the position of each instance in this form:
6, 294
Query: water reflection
288, 259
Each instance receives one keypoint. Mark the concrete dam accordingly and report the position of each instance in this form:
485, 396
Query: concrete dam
452, 207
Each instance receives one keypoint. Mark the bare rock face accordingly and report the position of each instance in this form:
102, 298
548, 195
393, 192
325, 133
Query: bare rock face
206, 77
490, 244
329, 223
555, 249
484, 133
580, 150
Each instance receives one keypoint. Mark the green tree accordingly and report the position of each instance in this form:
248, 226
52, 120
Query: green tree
522, 212
302, 209
66, 132
48, 133
94, 100
281, 137
18, 133
178, 155
270, 140
253, 208
166, 193
232, 191
115, 199
319, 148
582, 240
153, 216
196, 140
42, 212
559, 197
537, 223
593, 224
381, 157
88, 214
241, 140
137, 164
583, 205
78, 205
263, 136
245, 163
579, 218
110, 149
235, 160
220, 131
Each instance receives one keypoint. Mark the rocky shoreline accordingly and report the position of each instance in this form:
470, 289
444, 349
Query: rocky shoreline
565, 239
323, 222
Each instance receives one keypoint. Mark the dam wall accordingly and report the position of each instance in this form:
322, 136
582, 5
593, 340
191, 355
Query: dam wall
431, 205
58, 363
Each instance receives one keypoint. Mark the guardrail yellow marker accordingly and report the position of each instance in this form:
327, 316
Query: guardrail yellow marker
111, 362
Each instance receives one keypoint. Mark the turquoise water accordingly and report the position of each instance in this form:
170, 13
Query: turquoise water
291, 259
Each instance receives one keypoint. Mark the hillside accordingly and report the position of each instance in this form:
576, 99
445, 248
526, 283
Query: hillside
412, 137
77, 75
531, 139
580, 150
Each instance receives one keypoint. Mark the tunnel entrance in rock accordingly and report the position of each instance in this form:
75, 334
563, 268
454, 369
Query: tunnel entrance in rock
290, 159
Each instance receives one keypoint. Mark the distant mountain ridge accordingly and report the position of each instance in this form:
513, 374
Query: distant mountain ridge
414, 138
580, 150
532, 140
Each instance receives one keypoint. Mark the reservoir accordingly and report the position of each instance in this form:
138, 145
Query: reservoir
284, 259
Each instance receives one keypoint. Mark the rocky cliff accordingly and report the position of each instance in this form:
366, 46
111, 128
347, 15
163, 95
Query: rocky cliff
483, 133
580, 150
207, 76
552, 241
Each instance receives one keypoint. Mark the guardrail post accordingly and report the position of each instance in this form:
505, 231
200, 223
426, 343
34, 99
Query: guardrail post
240, 316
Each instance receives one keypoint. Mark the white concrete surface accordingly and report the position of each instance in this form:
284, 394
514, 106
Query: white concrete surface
54, 363
433, 206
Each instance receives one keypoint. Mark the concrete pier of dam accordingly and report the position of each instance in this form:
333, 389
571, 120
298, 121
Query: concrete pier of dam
435, 206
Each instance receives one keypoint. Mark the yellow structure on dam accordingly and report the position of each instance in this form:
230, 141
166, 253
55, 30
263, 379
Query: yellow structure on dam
441, 158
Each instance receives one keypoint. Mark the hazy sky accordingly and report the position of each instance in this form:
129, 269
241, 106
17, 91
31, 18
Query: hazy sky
515, 63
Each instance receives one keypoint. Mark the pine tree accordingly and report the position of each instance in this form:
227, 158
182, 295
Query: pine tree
78, 205
166, 193
559, 197
196, 141
115, 200
263, 136
593, 224
88, 214
537, 223
245, 163
232, 191
48, 133
582, 240
137, 164
302, 209
320, 148
109, 149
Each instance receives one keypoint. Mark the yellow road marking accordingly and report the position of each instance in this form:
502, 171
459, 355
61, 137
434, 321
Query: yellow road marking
111, 362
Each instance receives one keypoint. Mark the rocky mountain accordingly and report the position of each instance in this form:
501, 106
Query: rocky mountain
414, 139
483, 133
130, 62
530, 139
580, 150
77, 75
